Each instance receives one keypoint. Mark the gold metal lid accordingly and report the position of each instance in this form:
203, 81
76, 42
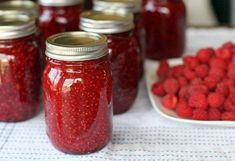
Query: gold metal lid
110, 22
19, 7
133, 6
58, 3
14, 26
76, 46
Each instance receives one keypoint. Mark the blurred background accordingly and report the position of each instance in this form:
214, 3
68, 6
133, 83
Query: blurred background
205, 13
210, 12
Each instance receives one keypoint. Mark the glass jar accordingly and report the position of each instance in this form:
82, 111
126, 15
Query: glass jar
59, 16
131, 6
164, 24
123, 50
19, 68
77, 85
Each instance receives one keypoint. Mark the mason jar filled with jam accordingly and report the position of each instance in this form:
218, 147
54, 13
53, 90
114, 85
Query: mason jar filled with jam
131, 6
123, 50
164, 24
19, 68
77, 87
58, 16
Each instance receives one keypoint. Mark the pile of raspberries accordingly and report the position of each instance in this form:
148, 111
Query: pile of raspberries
203, 87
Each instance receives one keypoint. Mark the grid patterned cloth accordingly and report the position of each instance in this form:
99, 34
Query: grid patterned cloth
139, 135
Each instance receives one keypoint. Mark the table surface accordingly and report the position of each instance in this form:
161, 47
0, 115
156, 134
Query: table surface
138, 135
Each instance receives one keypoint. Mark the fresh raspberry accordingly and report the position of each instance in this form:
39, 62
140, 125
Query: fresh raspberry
232, 96
210, 82
200, 114
216, 62
178, 70
196, 81
170, 101
228, 45
198, 100
222, 88
184, 110
182, 81
215, 100
231, 73
214, 114
231, 65
204, 55
184, 91
171, 85
217, 72
198, 88
231, 92
163, 69
228, 82
158, 89
228, 116
202, 70
229, 106
224, 53
233, 58
189, 74
191, 61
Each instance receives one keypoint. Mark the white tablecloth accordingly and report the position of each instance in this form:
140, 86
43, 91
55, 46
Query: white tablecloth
138, 135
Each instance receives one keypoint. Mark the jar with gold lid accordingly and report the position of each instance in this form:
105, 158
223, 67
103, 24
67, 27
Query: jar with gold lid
19, 68
77, 87
123, 50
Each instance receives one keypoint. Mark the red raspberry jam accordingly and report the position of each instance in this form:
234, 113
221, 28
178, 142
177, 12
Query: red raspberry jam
131, 6
77, 85
19, 68
58, 16
164, 24
123, 50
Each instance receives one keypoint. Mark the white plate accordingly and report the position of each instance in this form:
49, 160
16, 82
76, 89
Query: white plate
151, 78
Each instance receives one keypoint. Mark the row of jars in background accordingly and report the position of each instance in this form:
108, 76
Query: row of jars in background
164, 23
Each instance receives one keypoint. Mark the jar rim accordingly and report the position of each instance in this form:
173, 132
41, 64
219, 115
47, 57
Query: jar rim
59, 3
76, 46
108, 22
14, 26
133, 6
19, 7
